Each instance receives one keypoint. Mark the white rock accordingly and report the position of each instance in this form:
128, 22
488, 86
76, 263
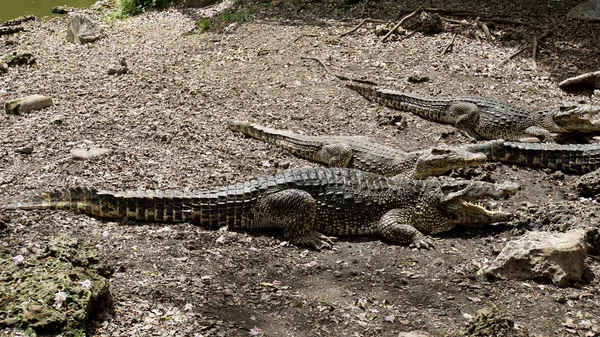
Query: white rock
556, 256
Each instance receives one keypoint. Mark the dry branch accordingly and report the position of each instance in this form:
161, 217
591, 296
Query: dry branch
450, 45
330, 72
386, 36
588, 79
361, 24
535, 44
485, 29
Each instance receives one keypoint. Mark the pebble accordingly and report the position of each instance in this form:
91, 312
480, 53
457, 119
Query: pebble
88, 153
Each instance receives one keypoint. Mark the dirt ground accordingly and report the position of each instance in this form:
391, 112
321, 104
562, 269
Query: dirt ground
166, 125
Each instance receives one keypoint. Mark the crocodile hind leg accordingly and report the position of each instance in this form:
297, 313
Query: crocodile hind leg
393, 226
468, 117
294, 211
541, 133
336, 155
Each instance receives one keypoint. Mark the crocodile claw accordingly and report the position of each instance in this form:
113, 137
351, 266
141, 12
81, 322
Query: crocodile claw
422, 242
314, 240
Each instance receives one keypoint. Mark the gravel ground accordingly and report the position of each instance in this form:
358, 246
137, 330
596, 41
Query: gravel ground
165, 123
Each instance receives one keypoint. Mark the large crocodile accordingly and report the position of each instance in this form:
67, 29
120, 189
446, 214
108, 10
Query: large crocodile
307, 203
484, 118
571, 158
359, 152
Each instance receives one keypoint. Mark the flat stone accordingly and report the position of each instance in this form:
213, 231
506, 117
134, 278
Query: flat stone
25, 150
556, 256
414, 333
27, 104
82, 29
92, 152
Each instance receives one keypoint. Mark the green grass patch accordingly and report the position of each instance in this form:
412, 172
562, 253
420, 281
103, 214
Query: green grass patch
127, 8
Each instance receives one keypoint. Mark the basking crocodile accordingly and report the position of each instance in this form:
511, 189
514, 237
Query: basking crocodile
304, 202
572, 158
484, 118
360, 153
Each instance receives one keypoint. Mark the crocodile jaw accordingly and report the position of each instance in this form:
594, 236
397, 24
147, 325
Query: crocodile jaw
473, 215
438, 161
579, 117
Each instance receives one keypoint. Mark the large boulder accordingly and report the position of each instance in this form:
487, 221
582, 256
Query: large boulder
559, 257
82, 29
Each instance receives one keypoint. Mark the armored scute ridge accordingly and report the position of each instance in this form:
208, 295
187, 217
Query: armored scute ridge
484, 118
360, 153
306, 203
572, 158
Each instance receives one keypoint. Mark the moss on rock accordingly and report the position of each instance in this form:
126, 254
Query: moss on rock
31, 289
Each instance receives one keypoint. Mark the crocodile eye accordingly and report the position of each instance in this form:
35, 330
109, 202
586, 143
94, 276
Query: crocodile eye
439, 150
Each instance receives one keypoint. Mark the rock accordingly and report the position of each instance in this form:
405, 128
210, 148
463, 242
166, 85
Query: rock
62, 9
414, 333
231, 28
25, 150
10, 30
19, 20
82, 29
3, 67
27, 104
588, 185
29, 289
82, 154
18, 59
556, 256
120, 69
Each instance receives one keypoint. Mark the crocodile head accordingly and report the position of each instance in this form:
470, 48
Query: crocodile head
577, 117
439, 160
463, 198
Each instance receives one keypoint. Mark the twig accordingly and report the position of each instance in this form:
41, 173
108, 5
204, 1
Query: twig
361, 24
385, 37
535, 43
534, 47
512, 22
266, 51
330, 72
450, 45
511, 57
485, 29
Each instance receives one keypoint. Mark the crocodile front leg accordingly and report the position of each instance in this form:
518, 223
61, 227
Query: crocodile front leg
294, 211
541, 133
393, 226
336, 155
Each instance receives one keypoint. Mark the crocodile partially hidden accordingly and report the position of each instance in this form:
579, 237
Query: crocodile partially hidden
571, 158
484, 118
306, 203
359, 152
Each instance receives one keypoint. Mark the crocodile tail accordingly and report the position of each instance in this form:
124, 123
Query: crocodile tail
304, 146
67, 199
365, 91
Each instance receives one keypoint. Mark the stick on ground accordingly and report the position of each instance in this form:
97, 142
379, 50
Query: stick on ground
330, 72
362, 24
386, 36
